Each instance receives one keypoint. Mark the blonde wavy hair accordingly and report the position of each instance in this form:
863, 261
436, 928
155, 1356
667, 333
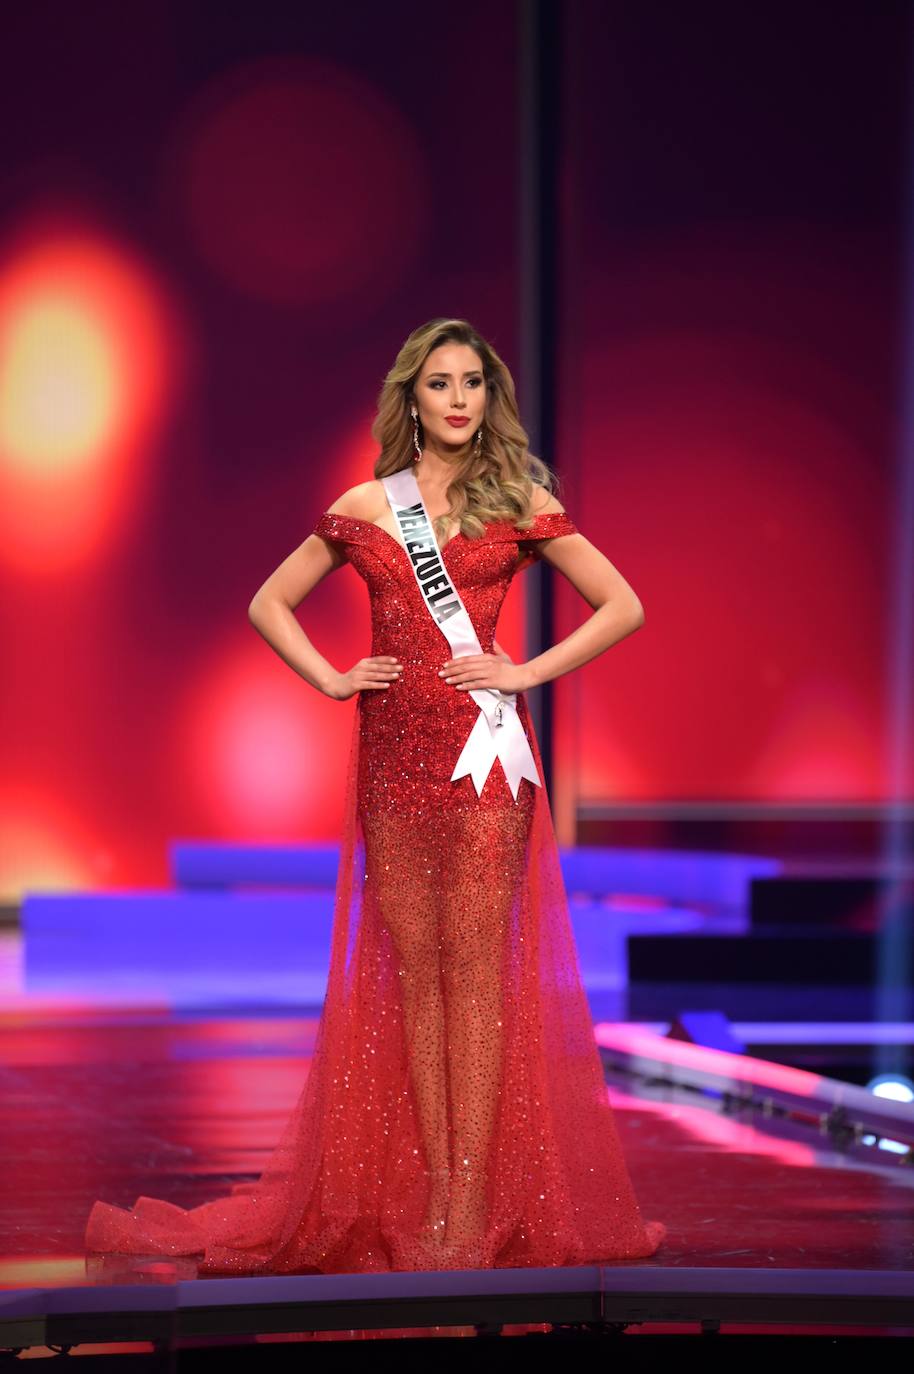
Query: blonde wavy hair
495, 484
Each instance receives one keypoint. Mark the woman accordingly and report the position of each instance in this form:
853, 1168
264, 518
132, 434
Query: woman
455, 1114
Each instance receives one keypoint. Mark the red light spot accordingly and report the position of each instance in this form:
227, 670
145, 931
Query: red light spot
302, 182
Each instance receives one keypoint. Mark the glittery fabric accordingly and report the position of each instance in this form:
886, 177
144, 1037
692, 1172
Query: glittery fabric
456, 1092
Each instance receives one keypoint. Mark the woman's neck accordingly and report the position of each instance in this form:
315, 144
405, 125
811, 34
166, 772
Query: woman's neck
436, 471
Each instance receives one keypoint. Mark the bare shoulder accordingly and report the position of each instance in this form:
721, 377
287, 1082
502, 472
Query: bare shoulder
544, 503
365, 501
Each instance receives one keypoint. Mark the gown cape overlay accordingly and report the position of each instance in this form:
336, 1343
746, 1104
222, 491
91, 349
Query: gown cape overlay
455, 1068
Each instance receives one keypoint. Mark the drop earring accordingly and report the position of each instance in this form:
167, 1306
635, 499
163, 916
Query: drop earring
415, 415
477, 444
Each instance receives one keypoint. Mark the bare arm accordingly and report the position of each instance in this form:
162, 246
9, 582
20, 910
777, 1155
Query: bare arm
617, 612
272, 608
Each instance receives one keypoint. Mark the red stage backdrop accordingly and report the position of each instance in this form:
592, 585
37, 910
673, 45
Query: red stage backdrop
216, 231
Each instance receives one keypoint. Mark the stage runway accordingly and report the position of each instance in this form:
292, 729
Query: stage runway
111, 1102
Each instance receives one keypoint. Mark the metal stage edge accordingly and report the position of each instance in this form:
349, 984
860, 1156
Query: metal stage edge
598, 1296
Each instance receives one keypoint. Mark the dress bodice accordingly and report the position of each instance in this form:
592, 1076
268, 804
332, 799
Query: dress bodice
481, 568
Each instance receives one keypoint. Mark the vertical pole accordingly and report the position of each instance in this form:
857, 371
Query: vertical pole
539, 101
895, 942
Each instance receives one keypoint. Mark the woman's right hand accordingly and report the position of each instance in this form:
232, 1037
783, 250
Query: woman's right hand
376, 671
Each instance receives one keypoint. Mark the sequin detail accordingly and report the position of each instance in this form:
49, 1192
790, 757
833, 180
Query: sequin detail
455, 1114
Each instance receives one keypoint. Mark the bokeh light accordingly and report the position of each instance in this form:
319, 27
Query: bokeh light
301, 182
89, 352
257, 749
757, 479
59, 397
45, 845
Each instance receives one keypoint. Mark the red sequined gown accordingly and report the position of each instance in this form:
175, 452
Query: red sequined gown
455, 1073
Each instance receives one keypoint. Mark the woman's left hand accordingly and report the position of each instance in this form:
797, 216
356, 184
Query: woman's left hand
472, 671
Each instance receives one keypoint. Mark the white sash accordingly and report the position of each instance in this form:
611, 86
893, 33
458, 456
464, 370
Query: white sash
497, 731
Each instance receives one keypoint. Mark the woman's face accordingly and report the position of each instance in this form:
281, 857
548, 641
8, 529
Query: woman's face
451, 384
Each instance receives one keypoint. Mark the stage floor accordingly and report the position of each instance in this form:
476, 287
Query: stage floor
101, 1102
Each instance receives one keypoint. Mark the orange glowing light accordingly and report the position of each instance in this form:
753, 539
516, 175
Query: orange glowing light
59, 385
44, 846
88, 343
